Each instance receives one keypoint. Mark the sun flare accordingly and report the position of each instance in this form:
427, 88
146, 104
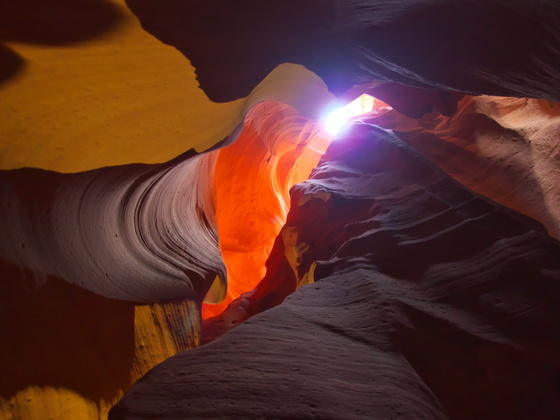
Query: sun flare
336, 119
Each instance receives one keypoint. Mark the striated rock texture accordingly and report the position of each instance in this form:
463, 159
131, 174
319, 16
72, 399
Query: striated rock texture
504, 148
429, 301
84, 88
67, 352
148, 234
252, 177
141, 233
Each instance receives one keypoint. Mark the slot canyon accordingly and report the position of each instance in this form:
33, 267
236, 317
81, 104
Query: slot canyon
181, 236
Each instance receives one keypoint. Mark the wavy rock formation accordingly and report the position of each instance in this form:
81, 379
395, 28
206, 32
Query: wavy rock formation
135, 233
429, 301
129, 195
139, 233
504, 148
277, 149
99, 91
143, 234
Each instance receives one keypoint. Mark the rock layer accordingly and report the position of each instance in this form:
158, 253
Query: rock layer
252, 178
134, 232
143, 233
503, 148
429, 301
84, 87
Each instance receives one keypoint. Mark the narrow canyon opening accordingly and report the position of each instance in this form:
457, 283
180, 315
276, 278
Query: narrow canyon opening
180, 237
277, 149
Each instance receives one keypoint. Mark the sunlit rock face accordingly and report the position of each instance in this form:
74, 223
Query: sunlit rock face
115, 229
143, 234
252, 177
428, 301
503, 148
84, 87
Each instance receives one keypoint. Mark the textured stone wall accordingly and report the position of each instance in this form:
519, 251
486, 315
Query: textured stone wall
114, 228
428, 301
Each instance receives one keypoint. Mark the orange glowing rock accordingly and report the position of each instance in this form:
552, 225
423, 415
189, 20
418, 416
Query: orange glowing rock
277, 149
84, 87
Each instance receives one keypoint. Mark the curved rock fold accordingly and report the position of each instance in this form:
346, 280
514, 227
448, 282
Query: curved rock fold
419, 284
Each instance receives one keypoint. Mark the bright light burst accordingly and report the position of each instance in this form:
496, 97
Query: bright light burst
338, 117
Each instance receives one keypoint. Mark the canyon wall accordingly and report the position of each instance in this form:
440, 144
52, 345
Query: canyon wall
147, 152
428, 301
